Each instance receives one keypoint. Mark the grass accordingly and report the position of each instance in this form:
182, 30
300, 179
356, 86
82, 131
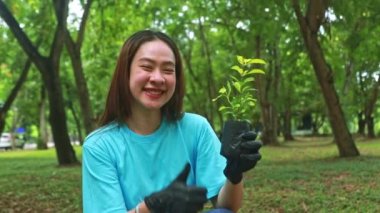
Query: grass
301, 176
31, 181
307, 176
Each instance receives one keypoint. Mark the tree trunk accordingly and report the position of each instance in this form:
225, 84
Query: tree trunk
370, 127
361, 124
288, 124
349, 67
195, 98
287, 103
74, 49
370, 108
269, 119
275, 86
49, 69
211, 90
43, 129
309, 27
80, 81
57, 118
77, 122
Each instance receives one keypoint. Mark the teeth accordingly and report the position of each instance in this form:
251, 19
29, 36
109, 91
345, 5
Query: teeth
154, 92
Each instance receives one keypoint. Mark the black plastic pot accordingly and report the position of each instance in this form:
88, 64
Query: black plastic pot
232, 129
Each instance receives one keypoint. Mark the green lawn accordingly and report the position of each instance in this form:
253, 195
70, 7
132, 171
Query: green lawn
301, 176
31, 181
307, 176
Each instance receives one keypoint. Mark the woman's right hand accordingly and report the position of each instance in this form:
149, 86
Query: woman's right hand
178, 197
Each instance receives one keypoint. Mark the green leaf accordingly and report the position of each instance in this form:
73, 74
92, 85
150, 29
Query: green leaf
256, 71
223, 90
249, 79
228, 87
246, 89
234, 78
251, 99
237, 85
255, 61
240, 59
222, 108
238, 69
237, 105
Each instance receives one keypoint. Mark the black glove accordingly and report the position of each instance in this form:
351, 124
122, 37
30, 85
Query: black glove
178, 197
241, 154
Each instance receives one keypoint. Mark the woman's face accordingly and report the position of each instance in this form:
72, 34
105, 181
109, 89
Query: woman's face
152, 79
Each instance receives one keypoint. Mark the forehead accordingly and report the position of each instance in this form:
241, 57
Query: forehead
156, 50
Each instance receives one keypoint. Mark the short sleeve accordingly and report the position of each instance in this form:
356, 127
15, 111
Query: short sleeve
101, 187
210, 163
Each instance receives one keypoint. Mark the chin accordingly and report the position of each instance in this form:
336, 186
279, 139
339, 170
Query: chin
153, 106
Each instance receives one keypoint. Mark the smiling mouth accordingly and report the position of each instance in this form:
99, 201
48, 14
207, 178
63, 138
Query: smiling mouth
154, 93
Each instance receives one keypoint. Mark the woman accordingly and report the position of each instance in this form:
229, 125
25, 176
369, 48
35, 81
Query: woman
149, 156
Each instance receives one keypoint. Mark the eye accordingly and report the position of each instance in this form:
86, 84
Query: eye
169, 69
146, 67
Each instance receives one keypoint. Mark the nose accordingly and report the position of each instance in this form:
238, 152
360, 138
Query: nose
157, 77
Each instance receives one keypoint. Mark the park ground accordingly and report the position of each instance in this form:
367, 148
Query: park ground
305, 175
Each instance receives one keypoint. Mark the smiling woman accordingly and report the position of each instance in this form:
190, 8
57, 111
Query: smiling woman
146, 51
152, 80
150, 156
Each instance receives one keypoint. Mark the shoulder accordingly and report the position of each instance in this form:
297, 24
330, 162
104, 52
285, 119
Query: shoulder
193, 118
101, 135
194, 123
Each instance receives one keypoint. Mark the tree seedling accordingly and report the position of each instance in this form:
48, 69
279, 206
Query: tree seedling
237, 94
238, 104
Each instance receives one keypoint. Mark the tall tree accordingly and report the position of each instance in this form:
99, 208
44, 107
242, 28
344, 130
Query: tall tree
211, 91
49, 69
309, 26
356, 24
42, 142
268, 110
264, 33
74, 49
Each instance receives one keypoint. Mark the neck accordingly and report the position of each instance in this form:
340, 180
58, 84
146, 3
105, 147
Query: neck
144, 124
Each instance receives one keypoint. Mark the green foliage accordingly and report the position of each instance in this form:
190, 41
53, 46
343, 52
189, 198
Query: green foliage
228, 28
237, 94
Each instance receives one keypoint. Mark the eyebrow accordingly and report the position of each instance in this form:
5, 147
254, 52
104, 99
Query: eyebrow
152, 61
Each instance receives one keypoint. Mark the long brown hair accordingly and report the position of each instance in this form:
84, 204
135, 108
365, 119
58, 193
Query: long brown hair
118, 103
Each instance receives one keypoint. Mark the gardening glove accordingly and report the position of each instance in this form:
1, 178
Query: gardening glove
178, 197
242, 155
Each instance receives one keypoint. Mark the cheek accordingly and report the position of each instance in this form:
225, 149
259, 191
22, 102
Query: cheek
172, 82
137, 80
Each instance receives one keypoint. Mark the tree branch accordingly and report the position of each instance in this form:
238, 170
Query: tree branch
83, 23
315, 14
20, 35
12, 96
61, 11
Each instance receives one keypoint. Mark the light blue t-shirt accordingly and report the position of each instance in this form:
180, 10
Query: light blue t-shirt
121, 167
